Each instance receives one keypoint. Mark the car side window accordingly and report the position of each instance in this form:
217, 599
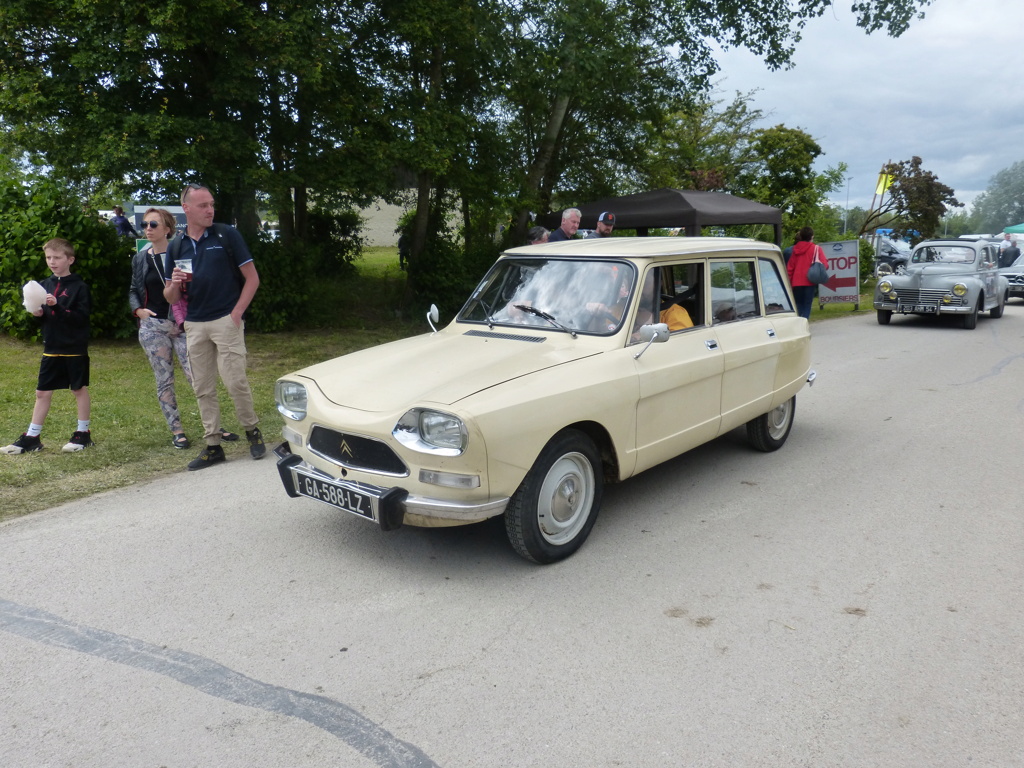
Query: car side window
733, 291
773, 289
682, 295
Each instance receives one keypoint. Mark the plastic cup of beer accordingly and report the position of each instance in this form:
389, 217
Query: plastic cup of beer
185, 265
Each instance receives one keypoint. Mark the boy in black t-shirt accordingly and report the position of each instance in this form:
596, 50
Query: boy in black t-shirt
65, 364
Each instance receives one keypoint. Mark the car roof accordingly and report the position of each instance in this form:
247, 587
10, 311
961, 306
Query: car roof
961, 242
643, 247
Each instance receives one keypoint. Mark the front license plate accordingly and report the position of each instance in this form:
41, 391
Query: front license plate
924, 308
334, 494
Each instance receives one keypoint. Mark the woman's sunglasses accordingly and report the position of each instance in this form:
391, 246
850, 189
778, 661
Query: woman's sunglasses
150, 224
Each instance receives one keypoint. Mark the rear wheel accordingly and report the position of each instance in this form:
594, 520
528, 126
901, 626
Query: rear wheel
971, 320
769, 432
554, 509
884, 316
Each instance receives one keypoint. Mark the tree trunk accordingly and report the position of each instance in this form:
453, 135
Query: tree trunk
529, 193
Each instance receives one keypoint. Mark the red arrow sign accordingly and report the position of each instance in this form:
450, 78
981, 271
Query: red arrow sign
840, 282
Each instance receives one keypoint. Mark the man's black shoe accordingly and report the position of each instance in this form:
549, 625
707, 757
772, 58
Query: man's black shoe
211, 455
256, 446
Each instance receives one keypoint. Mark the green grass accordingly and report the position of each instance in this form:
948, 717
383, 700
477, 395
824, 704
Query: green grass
837, 310
132, 439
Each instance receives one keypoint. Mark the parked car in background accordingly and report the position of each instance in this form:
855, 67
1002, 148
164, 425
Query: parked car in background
894, 253
572, 365
1014, 275
944, 277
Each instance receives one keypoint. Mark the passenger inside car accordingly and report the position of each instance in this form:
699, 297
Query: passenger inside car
671, 313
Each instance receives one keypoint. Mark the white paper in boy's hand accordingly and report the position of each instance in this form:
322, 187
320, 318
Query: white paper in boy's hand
35, 295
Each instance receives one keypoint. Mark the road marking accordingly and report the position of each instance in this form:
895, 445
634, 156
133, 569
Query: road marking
213, 679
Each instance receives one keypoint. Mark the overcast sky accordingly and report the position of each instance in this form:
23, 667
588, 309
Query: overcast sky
950, 91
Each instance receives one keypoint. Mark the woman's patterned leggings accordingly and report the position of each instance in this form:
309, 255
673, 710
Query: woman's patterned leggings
162, 339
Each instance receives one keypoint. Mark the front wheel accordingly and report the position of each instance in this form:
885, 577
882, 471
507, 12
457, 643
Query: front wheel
997, 310
884, 316
971, 320
554, 509
769, 432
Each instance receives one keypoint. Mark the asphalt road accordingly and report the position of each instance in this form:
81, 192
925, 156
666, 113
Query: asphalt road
851, 600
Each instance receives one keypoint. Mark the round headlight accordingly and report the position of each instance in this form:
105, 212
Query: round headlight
291, 399
885, 286
960, 289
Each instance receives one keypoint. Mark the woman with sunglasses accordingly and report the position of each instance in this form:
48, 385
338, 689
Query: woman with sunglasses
161, 333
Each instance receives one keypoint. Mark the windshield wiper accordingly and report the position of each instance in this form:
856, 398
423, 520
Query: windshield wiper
546, 316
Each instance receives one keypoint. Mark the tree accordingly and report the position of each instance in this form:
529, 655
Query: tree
248, 97
1002, 204
783, 176
639, 57
487, 104
703, 145
916, 204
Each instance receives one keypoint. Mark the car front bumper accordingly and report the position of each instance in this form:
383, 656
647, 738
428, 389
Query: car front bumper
923, 309
388, 507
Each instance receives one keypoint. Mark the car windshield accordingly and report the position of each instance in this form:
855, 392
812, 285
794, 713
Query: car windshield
580, 295
945, 254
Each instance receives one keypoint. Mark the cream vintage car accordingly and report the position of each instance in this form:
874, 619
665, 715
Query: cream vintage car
572, 365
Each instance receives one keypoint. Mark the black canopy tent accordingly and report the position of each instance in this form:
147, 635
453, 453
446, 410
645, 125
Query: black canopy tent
674, 208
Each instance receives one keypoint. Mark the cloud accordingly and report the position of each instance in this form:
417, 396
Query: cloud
948, 91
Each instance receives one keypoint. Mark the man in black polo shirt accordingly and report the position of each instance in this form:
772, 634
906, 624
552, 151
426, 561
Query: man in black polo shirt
220, 286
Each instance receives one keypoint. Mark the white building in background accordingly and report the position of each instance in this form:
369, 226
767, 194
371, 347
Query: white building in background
379, 222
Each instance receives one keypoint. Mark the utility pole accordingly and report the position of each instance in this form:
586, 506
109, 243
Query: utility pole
846, 213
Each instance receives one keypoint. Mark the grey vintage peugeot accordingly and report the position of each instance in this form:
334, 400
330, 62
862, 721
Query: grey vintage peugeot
944, 277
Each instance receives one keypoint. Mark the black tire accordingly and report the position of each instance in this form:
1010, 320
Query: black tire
997, 310
971, 320
769, 431
884, 316
554, 509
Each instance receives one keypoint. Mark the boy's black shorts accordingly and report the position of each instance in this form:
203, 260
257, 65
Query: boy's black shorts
71, 372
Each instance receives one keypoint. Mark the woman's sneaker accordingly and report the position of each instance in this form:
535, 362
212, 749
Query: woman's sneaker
78, 442
23, 444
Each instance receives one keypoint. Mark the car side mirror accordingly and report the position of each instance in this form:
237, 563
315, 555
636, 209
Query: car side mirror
656, 333
433, 316
885, 268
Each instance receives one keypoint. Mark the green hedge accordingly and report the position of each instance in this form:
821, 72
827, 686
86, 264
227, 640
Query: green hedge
35, 209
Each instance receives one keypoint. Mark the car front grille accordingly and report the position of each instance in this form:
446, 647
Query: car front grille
1016, 279
356, 452
926, 296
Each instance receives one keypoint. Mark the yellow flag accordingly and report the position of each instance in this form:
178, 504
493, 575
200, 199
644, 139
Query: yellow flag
884, 180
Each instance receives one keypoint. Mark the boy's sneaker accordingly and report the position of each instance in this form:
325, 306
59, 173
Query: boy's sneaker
78, 442
212, 454
256, 446
23, 444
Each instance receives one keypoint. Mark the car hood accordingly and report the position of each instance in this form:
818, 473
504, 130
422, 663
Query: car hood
444, 367
949, 270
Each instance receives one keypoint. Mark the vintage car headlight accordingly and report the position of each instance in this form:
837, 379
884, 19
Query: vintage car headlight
429, 431
291, 400
960, 289
885, 286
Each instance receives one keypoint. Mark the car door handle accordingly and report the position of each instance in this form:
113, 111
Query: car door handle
711, 344
771, 333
